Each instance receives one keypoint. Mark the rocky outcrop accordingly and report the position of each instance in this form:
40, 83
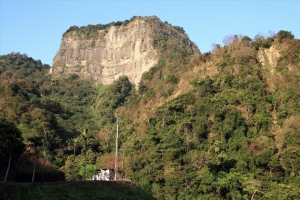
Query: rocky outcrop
116, 50
269, 56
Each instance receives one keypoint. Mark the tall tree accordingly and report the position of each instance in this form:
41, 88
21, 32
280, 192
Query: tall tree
86, 137
11, 143
73, 143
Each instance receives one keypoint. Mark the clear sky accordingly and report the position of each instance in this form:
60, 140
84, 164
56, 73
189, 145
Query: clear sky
35, 27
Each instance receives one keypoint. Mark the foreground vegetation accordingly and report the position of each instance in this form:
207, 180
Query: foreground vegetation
72, 190
218, 125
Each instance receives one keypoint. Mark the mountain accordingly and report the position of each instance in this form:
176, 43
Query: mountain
215, 125
102, 53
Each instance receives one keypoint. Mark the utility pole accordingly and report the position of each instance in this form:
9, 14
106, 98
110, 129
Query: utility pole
116, 159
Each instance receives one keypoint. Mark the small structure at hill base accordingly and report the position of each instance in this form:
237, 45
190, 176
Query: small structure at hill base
106, 175
103, 175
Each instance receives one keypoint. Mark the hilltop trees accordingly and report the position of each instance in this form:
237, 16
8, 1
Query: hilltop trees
284, 34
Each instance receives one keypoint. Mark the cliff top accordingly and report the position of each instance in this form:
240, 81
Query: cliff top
102, 53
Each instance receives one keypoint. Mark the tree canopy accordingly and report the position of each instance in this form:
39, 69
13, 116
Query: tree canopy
218, 125
11, 144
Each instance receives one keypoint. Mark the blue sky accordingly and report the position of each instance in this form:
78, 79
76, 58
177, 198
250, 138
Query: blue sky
35, 27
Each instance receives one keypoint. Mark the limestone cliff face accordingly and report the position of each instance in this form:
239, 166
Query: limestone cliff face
109, 53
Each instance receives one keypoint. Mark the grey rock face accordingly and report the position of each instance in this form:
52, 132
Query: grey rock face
113, 52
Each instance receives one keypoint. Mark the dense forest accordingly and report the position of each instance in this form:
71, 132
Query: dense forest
217, 125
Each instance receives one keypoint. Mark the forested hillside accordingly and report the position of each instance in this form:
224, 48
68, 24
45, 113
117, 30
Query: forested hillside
216, 125
233, 134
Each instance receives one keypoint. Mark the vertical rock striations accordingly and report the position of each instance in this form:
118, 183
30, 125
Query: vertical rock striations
105, 54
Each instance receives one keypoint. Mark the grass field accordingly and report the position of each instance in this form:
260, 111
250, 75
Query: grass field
78, 190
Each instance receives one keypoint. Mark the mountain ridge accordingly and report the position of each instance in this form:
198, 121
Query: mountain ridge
218, 125
102, 53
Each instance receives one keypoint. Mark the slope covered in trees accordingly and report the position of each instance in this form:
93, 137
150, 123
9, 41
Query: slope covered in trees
218, 125
234, 134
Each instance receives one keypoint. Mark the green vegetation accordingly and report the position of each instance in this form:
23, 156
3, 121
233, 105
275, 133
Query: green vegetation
11, 144
90, 31
219, 125
73, 190
227, 137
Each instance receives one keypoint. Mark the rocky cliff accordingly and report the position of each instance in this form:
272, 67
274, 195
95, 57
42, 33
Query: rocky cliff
112, 52
102, 53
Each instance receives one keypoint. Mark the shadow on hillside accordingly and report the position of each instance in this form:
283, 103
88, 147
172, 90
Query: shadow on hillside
74, 190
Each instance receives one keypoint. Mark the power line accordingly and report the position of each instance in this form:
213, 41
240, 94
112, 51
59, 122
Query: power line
116, 158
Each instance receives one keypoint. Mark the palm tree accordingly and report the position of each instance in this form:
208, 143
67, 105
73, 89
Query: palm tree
86, 138
74, 143
35, 144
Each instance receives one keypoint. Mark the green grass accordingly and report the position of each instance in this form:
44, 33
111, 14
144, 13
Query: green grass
73, 190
